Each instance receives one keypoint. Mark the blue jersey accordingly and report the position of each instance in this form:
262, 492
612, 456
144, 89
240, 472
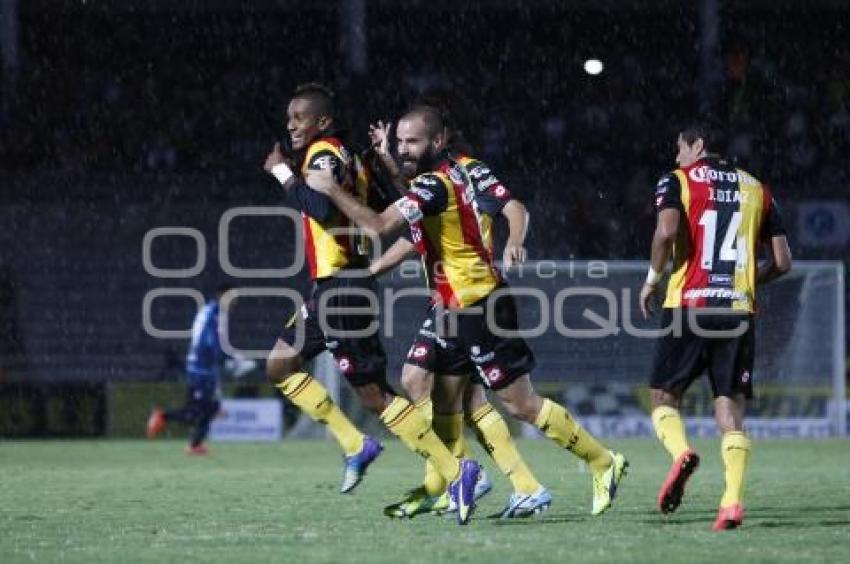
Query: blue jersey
205, 353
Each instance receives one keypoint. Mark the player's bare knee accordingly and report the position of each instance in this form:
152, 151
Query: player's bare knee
373, 397
729, 413
660, 398
524, 408
282, 362
726, 422
416, 382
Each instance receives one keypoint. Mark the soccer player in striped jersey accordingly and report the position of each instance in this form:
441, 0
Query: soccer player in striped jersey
438, 210
712, 219
341, 295
453, 386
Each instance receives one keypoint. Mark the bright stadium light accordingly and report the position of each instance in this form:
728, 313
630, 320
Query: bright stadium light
593, 66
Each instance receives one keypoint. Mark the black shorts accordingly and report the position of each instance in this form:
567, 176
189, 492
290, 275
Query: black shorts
679, 360
444, 356
472, 343
360, 358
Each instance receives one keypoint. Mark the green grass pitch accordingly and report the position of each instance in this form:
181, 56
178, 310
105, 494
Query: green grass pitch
138, 501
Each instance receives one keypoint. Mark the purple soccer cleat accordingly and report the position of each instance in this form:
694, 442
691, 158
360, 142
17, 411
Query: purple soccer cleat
356, 464
462, 490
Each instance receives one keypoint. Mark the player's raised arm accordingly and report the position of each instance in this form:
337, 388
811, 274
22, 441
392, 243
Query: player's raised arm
279, 166
324, 182
379, 135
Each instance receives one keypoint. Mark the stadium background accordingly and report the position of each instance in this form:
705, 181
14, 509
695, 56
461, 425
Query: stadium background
121, 117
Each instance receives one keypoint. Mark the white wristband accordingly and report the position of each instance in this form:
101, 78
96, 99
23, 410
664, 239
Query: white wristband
653, 277
282, 172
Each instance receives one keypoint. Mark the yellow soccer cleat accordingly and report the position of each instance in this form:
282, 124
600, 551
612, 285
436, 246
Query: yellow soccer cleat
417, 502
605, 483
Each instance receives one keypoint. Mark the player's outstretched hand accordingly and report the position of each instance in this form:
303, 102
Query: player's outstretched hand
379, 134
275, 158
514, 254
647, 304
321, 180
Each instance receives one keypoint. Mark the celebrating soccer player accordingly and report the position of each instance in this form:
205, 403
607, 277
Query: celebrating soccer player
439, 212
457, 387
712, 218
340, 297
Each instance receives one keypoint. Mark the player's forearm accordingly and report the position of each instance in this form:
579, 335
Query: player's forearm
666, 231
779, 260
518, 219
767, 272
399, 251
360, 215
284, 176
662, 247
392, 169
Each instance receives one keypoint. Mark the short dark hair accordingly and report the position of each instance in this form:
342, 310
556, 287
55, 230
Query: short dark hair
433, 118
319, 95
706, 128
447, 106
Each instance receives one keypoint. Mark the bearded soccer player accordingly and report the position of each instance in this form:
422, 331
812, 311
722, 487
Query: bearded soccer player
453, 385
439, 212
712, 218
335, 254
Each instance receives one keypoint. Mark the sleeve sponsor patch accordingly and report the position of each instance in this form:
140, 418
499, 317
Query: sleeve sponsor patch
667, 192
410, 209
325, 159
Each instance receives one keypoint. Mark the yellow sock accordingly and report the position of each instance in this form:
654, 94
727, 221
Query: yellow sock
433, 481
735, 448
449, 428
557, 424
495, 438
405, 422
311, 396
426, 408
670, 430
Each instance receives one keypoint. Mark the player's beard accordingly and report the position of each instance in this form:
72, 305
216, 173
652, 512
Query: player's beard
411, 168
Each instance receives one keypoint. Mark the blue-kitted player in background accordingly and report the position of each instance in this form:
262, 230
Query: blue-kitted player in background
203, 367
